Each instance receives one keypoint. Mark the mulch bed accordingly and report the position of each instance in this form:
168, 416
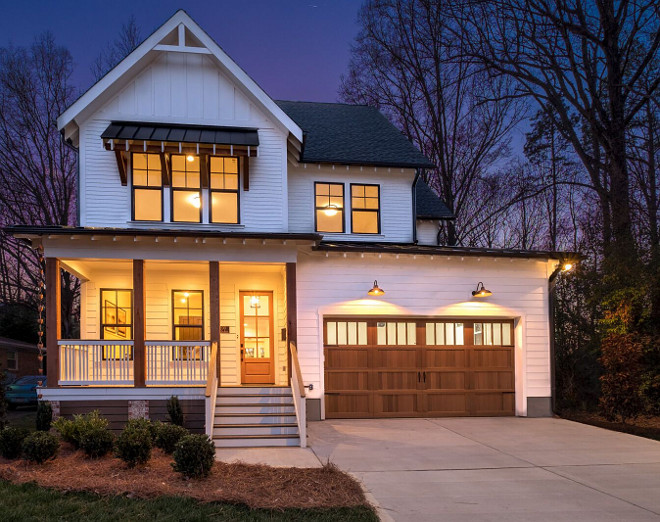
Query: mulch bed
645, 426
256, 486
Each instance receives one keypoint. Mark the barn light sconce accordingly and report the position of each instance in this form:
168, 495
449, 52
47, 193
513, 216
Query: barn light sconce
376, 290
330, 210
481, 291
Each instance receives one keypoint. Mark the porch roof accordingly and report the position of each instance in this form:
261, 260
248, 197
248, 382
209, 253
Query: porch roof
27, 231
414, 249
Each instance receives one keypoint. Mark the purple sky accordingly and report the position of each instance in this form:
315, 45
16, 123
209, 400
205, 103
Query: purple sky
294, 49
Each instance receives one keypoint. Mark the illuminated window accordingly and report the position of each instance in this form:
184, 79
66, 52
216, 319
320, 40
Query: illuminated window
147, 187
493, 334
188, 322
346, 333
396, 333
445, 334
186, 189
223, 174
117, 323
329, 204
365, 209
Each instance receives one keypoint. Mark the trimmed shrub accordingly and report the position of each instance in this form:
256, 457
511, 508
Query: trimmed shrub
11, 441
621, 381
96, 441
44, 416
134, 444
40, 446
194, 456
167, 435
73, 431
174, 411
3, 401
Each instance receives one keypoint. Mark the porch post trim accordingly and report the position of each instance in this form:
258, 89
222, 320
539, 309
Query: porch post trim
139, 316
214, 297
291, 310
53, 320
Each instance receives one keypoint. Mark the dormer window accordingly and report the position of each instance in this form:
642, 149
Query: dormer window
147, 187
186, 188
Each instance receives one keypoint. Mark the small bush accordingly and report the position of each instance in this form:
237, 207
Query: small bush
194, 456
11, 441
44, 416
96, 442
40, 446
167, 435
621, 357
174, 411
73, 431
134, 444
3, 401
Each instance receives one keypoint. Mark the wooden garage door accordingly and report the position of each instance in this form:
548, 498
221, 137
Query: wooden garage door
418, 367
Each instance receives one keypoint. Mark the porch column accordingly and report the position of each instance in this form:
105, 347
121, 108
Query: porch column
53, 320
139, 350
291, 311
214, 297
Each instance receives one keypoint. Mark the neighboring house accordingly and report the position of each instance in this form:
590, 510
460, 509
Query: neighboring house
18, 358
219, 230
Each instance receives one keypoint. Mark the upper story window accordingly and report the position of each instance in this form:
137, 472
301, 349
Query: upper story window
223, 173
365, 209
186, 188
147, 187
329, 204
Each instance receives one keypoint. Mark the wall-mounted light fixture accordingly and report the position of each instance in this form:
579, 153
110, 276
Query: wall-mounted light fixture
330, 210
481, 291
566, 266
376, 290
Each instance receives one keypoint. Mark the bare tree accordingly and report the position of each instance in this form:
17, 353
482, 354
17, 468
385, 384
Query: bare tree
458, 115
584, 63
37, 170
114, 52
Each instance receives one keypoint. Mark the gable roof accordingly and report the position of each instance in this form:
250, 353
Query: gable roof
428, 204
351, 135
154, 44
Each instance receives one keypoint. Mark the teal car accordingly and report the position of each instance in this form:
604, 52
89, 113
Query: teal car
23, 392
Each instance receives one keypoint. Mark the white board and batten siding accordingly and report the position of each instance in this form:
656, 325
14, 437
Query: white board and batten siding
395, 199
185, 89
427, 232
440, 287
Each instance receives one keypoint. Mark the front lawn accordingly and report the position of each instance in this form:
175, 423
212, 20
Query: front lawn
28, 502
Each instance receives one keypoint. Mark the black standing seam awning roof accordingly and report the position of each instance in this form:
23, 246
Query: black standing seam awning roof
126, 130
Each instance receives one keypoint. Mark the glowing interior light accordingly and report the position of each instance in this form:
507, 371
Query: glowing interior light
190, 157
254, 302
330, 210
195, 201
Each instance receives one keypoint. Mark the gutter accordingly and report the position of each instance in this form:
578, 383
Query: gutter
552, 299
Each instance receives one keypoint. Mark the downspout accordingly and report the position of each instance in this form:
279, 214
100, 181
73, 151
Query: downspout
552, 286
414, 205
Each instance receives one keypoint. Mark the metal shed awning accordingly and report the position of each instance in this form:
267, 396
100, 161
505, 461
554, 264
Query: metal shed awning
202, 134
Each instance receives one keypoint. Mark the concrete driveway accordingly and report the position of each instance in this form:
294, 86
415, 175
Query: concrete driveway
508, 469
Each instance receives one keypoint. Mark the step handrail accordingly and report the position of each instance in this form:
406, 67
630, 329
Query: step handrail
211, 391
298, 392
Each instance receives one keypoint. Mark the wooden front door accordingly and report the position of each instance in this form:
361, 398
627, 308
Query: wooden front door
257, 346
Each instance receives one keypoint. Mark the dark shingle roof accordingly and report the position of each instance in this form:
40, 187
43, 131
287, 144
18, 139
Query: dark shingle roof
428, 205
351, 135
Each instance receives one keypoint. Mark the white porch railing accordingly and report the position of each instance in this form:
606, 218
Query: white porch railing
211, 392
177, 362
298, 392
96, 362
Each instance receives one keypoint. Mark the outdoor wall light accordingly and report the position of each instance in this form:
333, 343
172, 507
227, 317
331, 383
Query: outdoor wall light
376, 290
566, 266
330, 210
481, 291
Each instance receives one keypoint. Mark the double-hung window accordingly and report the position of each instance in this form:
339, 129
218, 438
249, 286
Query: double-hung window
188, 322
365, 209
147, 187
12, 360
186, 189
329, 207
117, 322
223, 174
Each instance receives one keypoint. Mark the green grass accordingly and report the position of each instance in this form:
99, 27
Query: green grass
27, 502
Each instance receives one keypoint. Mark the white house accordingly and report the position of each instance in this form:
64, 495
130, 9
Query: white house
229, 247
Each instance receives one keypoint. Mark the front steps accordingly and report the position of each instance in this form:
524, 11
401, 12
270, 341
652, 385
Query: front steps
251, 417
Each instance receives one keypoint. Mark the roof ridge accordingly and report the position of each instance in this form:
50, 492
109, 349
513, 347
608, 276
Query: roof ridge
328, 103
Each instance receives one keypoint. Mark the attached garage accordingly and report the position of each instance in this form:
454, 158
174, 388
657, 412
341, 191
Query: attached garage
418, 367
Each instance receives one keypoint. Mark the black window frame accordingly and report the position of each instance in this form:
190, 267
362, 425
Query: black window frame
198, 354
161, 188
365, 209
343, 209
239, 162
186, 189
102, 324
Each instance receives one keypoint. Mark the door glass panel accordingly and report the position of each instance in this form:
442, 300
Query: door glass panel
341, 333
449, 333
257, 327
263, 348
412, 333
391, 333
506, 334
459, 334
497, 334
352, 333
250, 347
488, 333
430, 333
381, 334
332, 332
362, 333
263, 325
440, 334
478, 334
250, 326
401, 333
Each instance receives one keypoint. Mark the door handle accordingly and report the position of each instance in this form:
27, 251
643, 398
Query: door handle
419, 377
242, 354
424, 376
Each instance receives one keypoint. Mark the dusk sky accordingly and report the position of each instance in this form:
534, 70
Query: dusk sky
295, 49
